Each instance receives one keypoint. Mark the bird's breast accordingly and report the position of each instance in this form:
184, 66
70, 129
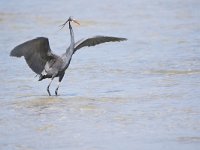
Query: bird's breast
53, 66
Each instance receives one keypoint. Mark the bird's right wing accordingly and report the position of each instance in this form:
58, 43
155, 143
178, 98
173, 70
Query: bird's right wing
36, 53
96, 40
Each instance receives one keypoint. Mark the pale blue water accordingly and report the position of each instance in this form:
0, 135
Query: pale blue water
138, 94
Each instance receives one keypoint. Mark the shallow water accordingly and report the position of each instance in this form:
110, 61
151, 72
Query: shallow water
138, 94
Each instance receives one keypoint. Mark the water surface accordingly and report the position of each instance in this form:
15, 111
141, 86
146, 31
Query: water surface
138, 94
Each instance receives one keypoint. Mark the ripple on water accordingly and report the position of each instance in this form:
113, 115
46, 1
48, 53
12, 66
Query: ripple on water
173, 72
192, 139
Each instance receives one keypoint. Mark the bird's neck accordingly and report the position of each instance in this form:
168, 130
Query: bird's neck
69, 52
72, 37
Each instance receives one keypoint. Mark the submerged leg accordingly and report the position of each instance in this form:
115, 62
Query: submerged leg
49, 86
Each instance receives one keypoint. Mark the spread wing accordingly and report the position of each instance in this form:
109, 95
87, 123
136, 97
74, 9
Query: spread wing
36, 53
96, 40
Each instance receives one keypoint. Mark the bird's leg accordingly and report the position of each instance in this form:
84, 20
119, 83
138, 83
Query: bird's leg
56, 91
49, 86
60, 79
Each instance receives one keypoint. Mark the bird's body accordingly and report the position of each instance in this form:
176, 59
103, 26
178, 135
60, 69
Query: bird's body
43, 62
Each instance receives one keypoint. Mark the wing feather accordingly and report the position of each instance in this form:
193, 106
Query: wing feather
36, 53
95, 41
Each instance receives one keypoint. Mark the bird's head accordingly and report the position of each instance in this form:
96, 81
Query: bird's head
71, 19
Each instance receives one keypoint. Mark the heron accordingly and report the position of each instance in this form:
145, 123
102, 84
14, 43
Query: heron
45, 63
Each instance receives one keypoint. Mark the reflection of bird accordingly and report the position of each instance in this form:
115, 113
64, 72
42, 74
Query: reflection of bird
43, 62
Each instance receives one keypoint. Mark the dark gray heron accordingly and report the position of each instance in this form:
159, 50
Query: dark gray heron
45, 63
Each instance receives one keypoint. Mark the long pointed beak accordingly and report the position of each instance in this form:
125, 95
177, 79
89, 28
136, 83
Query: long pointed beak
75, 21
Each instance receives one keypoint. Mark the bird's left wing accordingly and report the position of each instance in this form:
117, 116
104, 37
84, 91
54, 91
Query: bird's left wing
96, 40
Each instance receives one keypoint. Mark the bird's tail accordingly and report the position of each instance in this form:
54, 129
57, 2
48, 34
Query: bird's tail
41, 77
